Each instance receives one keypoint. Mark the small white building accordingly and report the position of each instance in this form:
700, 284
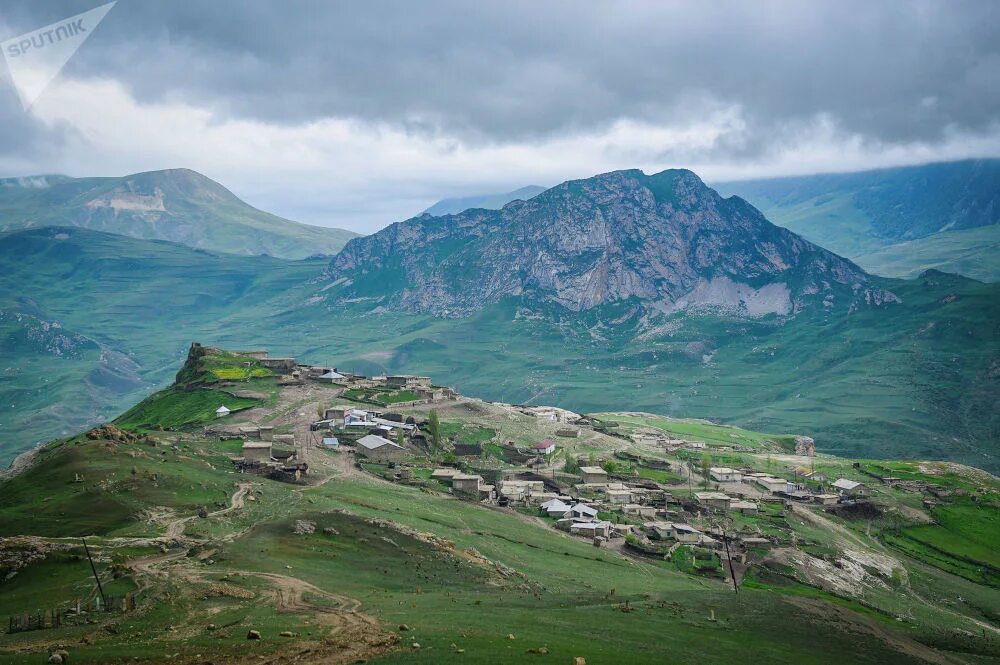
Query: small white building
331, 442
332, 376
723, 474
544, 447
848, 487
620, 497
591, 529
555, 507
222, 411
771, 484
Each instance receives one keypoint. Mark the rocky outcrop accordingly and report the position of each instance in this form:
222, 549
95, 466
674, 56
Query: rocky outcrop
667, 241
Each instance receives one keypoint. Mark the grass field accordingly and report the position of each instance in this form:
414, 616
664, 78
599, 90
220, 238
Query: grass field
177, 409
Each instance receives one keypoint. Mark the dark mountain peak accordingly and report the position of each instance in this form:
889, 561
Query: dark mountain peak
666, 240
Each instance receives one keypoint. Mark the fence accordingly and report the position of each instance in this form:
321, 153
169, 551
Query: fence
53, 618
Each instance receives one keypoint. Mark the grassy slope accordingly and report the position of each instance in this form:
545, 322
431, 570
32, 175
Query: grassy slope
138, 305
563, 602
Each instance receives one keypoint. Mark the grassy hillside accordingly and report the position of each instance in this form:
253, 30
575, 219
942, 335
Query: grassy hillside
92, 322
177, 205
894, 222
350, 567
914, 380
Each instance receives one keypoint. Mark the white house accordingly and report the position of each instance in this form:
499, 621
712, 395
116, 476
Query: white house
555, 507
222, 411
845, 486
333, 377
771, 484
545, 447
723, 474
591, 529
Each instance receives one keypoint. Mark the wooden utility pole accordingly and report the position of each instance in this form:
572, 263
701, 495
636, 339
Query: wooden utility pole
729, 557
93, 568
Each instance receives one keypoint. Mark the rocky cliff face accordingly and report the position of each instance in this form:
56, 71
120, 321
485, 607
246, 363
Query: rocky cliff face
666, 240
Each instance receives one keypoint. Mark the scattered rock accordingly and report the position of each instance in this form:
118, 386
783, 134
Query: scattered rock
253, 635
415, 645
403, 626
55, 658
210, 626
511, 636
62, 653
286, 633
330, 531
304, 527
539, 650
579, 660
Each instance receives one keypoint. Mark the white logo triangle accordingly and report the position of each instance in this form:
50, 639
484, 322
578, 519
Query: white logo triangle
37, 57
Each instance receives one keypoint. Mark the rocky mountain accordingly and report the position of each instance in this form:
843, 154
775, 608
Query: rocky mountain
488, 201
179, 205
665, 240
897, 221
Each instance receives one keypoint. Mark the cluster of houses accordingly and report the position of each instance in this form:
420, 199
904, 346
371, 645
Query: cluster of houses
765, 484
293, 372
277, 456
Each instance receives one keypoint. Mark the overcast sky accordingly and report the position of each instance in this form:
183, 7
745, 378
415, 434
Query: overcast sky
358, 114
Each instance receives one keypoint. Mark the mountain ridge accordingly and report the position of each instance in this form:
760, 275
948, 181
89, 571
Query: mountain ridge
666, 239
488, 201
894, 221
178, 205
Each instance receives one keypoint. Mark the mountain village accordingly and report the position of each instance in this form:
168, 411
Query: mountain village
390, 426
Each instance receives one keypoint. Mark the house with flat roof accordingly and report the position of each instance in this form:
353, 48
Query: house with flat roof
713, 499
846, 487
466, 483
258, 451
593, 474
723, 474
682, 533
591, 529
770, 483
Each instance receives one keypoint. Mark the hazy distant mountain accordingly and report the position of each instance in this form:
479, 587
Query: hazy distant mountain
488, 201
177, 205
896, 221
667, 240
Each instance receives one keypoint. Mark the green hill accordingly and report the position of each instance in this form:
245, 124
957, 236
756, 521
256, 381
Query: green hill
354, 564
918, 379
895, 222
179, 205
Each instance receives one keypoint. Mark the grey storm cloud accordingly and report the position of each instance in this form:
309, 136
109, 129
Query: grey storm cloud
516, 71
